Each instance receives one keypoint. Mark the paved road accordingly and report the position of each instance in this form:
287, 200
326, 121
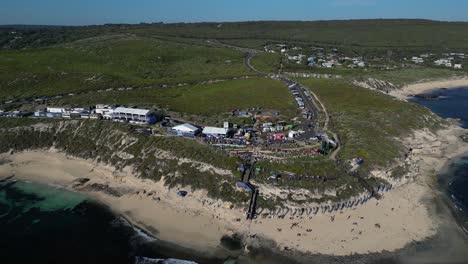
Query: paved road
309, 106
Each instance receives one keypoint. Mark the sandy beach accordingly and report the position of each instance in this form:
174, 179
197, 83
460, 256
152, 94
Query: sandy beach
421, 87
145, 203
400, 217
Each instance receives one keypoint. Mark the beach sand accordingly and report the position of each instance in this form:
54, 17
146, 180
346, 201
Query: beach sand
400, 217
145, 203
421, 87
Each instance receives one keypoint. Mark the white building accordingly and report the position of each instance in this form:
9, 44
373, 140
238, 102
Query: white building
215, 131
51, 109
443, 62
417, 60
105, 111
457, 66
132, 114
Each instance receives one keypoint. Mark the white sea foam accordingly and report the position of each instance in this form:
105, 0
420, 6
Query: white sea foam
139, 233
144, 260
143, 234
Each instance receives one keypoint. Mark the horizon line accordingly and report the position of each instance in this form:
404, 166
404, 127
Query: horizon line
239, 21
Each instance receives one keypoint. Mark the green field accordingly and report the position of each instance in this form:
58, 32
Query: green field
369, 122
375, 33
266, 62
201, 99
370, 36
116, 61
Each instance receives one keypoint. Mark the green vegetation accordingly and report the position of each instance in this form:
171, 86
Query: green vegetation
43, 61
52, 61
319, 175
23, 122
118, 145
377, 33
266, 62
112, 61
368, 122
201, 99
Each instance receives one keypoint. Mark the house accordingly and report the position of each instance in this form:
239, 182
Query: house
135, 115
185, 130
457, 66
215, 131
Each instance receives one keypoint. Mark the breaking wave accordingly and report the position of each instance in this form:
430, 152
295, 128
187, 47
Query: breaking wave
144, 260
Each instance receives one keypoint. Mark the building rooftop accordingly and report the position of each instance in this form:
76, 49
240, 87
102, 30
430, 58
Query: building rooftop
185, 128
133, 111
215, 130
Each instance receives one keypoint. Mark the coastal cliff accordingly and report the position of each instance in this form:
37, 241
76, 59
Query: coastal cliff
131, 173
177, 162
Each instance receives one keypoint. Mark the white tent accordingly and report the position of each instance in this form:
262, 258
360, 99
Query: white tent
215, 131
51, 109
186, 128
293, 134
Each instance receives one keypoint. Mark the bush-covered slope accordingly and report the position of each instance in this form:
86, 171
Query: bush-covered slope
369, 122
112, 62
179, 162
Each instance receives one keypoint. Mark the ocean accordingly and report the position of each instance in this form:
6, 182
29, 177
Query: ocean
48, 224
453, 103
450, 103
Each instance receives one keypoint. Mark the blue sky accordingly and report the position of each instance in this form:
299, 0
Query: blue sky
85, 12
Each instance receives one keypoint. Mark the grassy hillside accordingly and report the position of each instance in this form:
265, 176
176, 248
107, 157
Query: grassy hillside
266, 62
118, 61
369, 122
38, 61
202, 99
372, 33
363, 33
